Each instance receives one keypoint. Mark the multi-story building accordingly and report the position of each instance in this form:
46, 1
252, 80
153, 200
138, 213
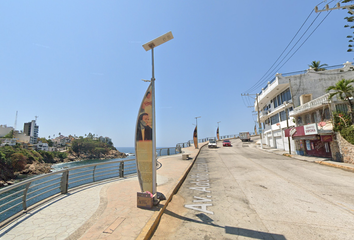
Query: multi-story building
8, 142
285, 93
313, 134
4, 130
31, 129
42, 146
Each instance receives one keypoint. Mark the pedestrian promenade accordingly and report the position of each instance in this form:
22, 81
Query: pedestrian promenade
106, 210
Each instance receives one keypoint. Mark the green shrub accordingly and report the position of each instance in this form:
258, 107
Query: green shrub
341, 120
348, 134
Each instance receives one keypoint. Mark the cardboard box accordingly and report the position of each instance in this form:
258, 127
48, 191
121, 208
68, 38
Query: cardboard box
144, 200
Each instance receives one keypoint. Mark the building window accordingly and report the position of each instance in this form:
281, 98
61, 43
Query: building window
307, 119
275, 102
280, 102
327, 116
274, 119
314, 117
299, 120
342, 108
283, 115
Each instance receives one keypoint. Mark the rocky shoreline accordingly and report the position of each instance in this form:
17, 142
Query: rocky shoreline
37, 168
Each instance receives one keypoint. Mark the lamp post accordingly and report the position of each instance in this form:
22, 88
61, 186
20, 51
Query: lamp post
287, 124
196, 125
150, 46
218, 130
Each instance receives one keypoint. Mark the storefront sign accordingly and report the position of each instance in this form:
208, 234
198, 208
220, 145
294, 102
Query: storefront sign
295, 132
310, 129
326, 138
292, 131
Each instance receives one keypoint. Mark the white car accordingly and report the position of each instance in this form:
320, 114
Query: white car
212, 143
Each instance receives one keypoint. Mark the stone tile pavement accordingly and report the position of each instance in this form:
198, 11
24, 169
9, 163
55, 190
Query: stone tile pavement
102, 211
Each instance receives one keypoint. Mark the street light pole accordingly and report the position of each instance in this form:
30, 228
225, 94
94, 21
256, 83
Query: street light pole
218, 129
196, 125
150, 46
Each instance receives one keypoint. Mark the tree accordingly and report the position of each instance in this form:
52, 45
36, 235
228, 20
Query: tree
350, 20
344, 90
317, 66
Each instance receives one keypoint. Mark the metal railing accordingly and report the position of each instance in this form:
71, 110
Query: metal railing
311, 104
168, 151
18, 197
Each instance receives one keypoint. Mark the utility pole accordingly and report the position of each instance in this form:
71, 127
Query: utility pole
259, 122
287, 123
338, 7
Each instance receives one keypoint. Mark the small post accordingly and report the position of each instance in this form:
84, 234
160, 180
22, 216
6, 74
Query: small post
64, 182
24, 205
121, 169
93, 174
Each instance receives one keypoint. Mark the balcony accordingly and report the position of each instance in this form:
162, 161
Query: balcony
310, 105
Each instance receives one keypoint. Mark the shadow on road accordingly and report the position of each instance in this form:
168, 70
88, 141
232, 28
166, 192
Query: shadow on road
229, 230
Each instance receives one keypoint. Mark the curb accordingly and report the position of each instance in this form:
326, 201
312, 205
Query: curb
335, 165
351, 169
152, 224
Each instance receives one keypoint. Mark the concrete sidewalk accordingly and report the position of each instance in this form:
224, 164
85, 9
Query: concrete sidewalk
319, 160
106, 210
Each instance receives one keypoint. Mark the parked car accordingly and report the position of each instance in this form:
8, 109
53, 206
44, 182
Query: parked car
212, 143
226, 143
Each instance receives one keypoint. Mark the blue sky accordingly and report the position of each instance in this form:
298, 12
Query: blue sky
78, 65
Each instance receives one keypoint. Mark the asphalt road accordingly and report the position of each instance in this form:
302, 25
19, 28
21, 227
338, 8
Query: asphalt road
241, 192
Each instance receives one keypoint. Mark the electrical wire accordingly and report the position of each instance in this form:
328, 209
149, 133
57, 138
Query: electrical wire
261, 81
254, 86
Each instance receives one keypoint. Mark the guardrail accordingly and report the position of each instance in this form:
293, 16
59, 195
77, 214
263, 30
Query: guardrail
17, 198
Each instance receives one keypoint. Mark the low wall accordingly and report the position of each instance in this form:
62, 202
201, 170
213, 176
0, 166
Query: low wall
346, 149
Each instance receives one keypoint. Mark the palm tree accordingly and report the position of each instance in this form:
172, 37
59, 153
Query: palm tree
344, 90
317, 66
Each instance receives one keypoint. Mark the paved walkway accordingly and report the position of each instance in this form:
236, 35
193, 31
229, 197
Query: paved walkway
101, 211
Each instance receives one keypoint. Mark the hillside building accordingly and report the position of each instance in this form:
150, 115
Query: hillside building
298, 101
31, 129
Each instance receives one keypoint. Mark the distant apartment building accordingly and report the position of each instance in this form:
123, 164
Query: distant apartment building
105, 140
22, 137
299, 101
31, 129
4, 130
42, 146
8, 142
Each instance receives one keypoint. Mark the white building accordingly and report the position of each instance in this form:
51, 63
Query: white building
9, 141
42, 146
4, 130
31, 129
296, 89
22, 137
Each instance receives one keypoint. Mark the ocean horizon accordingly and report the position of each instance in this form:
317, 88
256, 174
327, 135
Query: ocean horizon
132, 149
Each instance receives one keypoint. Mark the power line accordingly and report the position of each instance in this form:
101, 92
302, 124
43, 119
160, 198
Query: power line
252, 88
262, 80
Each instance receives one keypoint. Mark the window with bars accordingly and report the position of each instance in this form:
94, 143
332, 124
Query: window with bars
275, 119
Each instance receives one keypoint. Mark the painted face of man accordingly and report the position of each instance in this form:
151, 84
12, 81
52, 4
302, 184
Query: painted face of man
146, 119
